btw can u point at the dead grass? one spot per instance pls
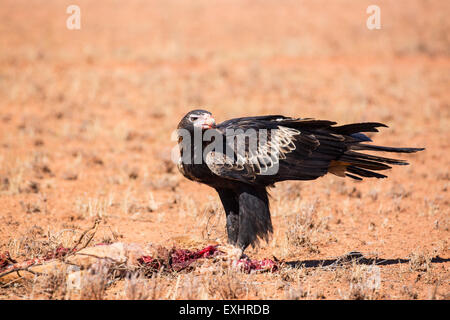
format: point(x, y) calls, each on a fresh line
point(51, 286)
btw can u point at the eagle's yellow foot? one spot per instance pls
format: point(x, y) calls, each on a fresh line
point(232, 253)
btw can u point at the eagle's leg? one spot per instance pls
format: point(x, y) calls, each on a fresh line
point(248, 217)
point(231, 206)
point(254, 216)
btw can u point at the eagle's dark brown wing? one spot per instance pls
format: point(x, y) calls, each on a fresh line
point(297, 149)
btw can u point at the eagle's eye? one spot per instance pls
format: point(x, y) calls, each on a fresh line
point(193, 117)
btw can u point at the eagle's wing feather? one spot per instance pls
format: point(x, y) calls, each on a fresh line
point(299, 149)
point(248, 161)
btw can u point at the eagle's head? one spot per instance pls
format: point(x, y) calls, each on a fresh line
point(200, 119)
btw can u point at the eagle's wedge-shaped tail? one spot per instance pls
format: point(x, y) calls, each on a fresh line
point(357, 165)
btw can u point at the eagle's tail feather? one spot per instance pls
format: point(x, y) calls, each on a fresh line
point(361, 146)
point(357, 165)
point(352, 128)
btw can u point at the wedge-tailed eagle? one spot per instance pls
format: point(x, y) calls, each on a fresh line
point(242, 157)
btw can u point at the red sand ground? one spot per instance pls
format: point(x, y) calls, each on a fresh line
point(87, 117)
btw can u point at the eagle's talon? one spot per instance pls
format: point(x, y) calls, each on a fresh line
point(232, 253)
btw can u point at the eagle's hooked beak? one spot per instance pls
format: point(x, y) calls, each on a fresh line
point(206, 121)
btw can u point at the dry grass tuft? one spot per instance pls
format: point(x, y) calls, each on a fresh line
point(51, 286)
point(364, 283)
point(306, 228)
point(137, 287)
point(94, 282)
point(419, 261)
